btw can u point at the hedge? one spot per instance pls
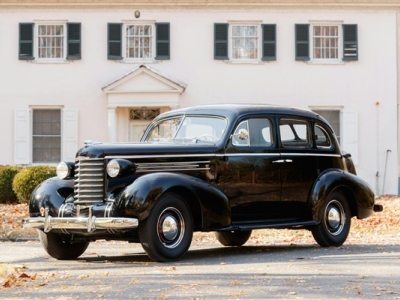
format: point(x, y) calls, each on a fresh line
point(7, 174)
point(28, 179)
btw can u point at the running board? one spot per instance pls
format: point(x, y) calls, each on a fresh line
point(247, 226)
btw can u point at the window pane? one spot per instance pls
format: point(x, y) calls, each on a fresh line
point(333, 118)
point(325, 42)
point(138, 41)
point(244, 42)
point(294, 133)
point(51, 41)
point(46, 139)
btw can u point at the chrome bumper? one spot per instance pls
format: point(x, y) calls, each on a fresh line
point(90, 223)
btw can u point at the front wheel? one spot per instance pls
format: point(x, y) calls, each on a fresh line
point(60, 247)
point(167, 233)
point(233, 238)
point(335, 220)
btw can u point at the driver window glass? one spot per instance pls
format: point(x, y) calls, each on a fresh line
point(294, 133)
point(241, 135)
point(253, 133)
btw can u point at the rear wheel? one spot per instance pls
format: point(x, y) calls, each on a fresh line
point(233, 238)
point(60, 247)
point(167, 233)
point(335, 221)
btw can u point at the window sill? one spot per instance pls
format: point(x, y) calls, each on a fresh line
point(325, 62)
point(128, 61)
point(50, 61)
point(244, 62)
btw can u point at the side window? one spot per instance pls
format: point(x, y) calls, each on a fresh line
point(322, 138)
point(294, 133)
point(241, 135)
point(253, 133)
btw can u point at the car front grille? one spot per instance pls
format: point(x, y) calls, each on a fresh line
point(89, 181)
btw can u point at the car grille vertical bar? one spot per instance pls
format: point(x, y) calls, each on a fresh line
point(89, 181)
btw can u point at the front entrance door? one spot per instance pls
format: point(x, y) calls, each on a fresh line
point(136, 129)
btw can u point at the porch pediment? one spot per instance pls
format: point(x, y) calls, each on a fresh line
point(144, 86)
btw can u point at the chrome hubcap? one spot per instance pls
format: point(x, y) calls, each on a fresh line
point(335, 217)
point(170, 227)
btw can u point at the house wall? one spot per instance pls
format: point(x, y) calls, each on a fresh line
point(367, 86)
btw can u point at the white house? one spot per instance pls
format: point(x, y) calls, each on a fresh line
point(100, 70)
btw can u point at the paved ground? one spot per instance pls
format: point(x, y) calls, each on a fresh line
point(209, 271)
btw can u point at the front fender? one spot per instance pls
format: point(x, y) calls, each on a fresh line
point(138, 199)
point(359, 194)
point(50, 194)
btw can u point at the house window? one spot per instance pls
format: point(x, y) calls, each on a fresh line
point(239, 42)
point(326, 42)
point(46, 135)
point(138, 41)
point(50, 41)
point(245, 42)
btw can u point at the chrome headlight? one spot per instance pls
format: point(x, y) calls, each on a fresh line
point(120, 167)
point(113, 168)
point(65, 170)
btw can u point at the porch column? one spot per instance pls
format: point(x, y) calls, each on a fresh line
point(112, 124)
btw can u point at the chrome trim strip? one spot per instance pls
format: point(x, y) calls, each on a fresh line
point(311, 154)
point(165, 155)
point(171, 166)
point(222, 155)
point(167, 170)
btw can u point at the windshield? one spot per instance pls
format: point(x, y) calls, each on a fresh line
point(188, 129)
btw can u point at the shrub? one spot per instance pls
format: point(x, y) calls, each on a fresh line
point(29, 178)
point(7, 174)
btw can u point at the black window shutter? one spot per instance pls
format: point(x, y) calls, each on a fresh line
point(350, 42)
point(74, 41)
point(268, 42)
point(221, 41)
point(114, 41)
point(302, 41)
point(162, 41)
point(26, 41)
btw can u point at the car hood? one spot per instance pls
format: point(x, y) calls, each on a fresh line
point(101, 150)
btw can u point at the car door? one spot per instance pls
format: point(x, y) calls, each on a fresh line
point(299, 165)
point(251, 178)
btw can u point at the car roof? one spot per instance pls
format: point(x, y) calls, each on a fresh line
point(235, 110)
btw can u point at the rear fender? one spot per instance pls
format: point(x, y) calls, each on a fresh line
point(50, 194)
point(359, 194)
point(209, 206)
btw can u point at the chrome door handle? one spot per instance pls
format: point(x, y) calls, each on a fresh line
point(279, 161)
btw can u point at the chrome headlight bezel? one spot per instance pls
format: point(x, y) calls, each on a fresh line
point(113, 168)
point(120, 168)
point(65, 170)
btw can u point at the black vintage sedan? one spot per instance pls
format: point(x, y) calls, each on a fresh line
point(229, 169)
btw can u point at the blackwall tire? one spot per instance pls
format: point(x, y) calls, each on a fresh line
point(167, 233)
point(335, 220)
point(60, 248)
point(233, 238)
